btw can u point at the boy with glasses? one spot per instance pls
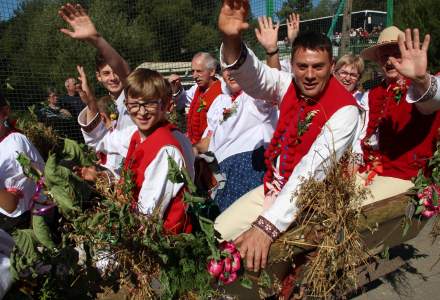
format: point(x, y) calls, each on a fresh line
point(146, 149)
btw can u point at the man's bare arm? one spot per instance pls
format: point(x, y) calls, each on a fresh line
point(84, 29)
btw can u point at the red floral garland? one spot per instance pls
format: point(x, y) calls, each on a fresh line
point(284, 140)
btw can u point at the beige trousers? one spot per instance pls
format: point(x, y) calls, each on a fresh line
point(384, 187)
point(239, 217)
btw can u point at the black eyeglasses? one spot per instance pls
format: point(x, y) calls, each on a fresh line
point(149, 106)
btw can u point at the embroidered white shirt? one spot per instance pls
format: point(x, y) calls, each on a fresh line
point(91, 138)
point(263, 82)
point(249, 125)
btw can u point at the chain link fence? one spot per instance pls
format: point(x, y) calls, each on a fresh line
point(36, 58)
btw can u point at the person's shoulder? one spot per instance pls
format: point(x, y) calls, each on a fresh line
point(16, 141)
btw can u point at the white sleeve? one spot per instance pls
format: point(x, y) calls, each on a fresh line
point(93, 130)
point(157, 190)
point(115, 142)
point(362, 128)
point(429, 102)
point(19, 182)
point(257, 79)
point(336, 136)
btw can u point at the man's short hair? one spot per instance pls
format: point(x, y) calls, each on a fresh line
point(100, 62)
point(148, 84)
point(313, 41)
point(210, 62)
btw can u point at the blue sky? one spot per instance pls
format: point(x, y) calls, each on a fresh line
point(7, 8)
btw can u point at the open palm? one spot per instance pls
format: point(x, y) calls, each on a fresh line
point(267, 34)
point(233, 16)
point(414, 61)
point(77, 18)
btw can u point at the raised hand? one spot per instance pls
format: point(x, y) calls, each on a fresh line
point(77, 18)
point(267, 34)
point(84, 91)
point(233, 17)
point(176, 83)
point(292, 27)
point(414, 61)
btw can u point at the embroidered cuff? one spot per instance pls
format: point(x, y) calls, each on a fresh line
point(267, 227)
point(432, 90)
point(92, 125)
point(239, 62)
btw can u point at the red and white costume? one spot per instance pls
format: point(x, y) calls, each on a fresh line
point(291, 156)
point(148, 159)
point(401, 132)
point(153, 188)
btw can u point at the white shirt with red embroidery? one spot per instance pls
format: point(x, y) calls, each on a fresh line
point(95, 130)
point(238, 126)
point(12, 177)
point(262, 82)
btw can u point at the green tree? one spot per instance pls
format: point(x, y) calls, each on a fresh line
point(303, 7)
point(422, 14)
point(324, 8)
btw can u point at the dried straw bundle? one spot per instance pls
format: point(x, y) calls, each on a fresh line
point(329, 213)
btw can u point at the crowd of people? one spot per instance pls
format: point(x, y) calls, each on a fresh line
point(253, 132)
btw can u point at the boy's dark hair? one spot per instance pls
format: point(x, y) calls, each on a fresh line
point(99, 62)
point(313, 41)
point(51, 90)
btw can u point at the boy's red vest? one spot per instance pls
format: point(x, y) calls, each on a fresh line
point(295, 135)
point(139, 156)
point(196, 119)
point(407, 138)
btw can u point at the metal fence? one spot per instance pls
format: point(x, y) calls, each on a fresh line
point(164, 34)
